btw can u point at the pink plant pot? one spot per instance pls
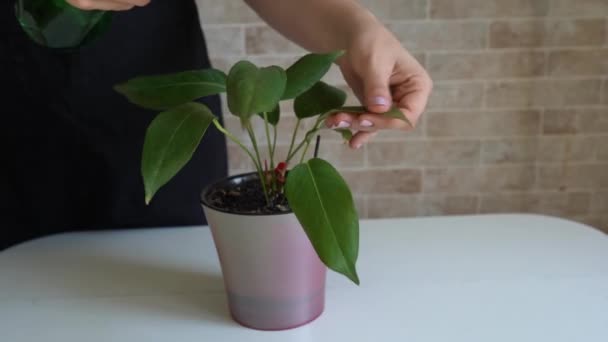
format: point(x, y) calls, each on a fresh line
point(273, 278)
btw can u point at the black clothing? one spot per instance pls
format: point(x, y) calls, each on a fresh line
point(71, 146)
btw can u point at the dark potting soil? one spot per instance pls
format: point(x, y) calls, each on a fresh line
point(247, 198)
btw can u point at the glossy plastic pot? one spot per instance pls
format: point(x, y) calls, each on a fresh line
point(273, 278)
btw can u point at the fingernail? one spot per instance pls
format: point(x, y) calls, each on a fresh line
point(379, 100)
point(357, 146)
point(343, 124)
point(366, 123)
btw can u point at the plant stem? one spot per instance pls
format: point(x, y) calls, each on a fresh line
point(305, 151)
point(292, 154)
point(270, 151)
point(236, 141)
point(293, 138)
point(274, 139)
point(257, 153)
point(305, 140)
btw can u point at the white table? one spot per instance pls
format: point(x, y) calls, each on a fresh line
point(490, 278)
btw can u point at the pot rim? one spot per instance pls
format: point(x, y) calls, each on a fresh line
point(234, 179)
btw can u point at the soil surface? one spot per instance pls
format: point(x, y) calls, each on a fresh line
point(247, 198)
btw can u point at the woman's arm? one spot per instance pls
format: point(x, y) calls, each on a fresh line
point(316, 25)
point(378, 69)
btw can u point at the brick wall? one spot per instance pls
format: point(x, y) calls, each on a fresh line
point(518, 120)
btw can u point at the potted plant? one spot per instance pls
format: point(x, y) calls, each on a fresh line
point(278, 228)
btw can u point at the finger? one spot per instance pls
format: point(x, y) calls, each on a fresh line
point(104, 5)
point(340, 120)
point(369, 122)
point(360, 138)
point(374, 122)
point(354, 82)
point(413, 98)
point(375, 78)
point(138, 3)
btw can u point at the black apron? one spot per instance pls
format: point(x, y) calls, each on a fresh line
point(71, 146)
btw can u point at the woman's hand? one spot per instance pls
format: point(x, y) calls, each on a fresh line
point(381, 73)
point(108, 5)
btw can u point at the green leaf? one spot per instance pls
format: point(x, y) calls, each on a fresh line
point(323, 204)
point(272, 116)
point(347, 134)
point(394, 112)
point(171, 139)
point(252, 90)
point(306, 71)
point(318, 99)
point(161, 92)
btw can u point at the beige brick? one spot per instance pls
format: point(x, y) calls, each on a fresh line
point(450, 9)
point(549, 93)
point(573, 176)
point(579, 7)
point(599, 203)
point(507, 178)
point(482, 179)
point(421, 205)
point(432, 35)
point(387, 182)
point(400, 135)
point(559, 204)
point(574, 121)
point(601, 145)
point(485, 65)
point(565, 204)
point(397, 9)
point(509, 203)
point(456, 95)
point(424, 153)
point(439, 205)
point(392, 206)
point(547, 32)
point(340, 155)
point(263, 40)
point(225, 12)
point(515, 150)
point(225, 41)
point(578, 63)
point(479, 124)
point(567, 148)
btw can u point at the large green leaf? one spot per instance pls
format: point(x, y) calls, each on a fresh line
point(394, 112)
point(162, 92)
point(171, 139)
point(323, 204)
point(252, 90)
point(306, 71)
point(318, 99)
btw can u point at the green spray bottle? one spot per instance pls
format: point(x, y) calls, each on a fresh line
point(58, 25)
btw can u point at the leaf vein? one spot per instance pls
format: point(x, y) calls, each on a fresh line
point(326, 217)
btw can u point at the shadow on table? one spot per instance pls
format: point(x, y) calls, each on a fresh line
point(171, 291)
